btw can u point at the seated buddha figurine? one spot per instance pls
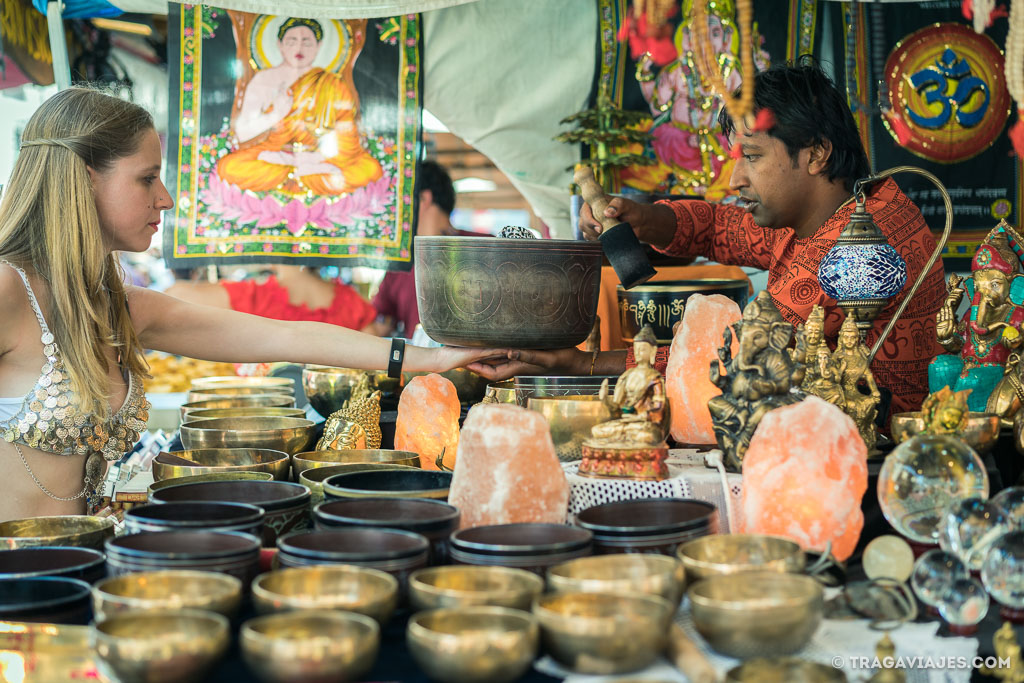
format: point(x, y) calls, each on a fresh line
point(296, 127)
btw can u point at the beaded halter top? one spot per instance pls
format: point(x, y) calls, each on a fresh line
point(51, 420)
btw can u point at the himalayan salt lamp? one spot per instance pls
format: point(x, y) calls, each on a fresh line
point(428, 420)
point(694, 345)
point(804, 476)
point(507, 470)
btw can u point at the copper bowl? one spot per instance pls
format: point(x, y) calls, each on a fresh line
point(195, 516)
point(215, 476)
point(83, 531)
point(981, 434)
point(723, 554)
point(254, 411)
point(329, 586)
point(389, 484)
point(173, 464)
point(86, 564)
point(505, 293)
point(327, 388)
point(46, 599)
point(325, 458)
point(227, 402)
point(288, 434)
point(280, 385)
point(315, 477)
point(626, 573)
point(167, 589)
point(466, 586)
point(570, 420)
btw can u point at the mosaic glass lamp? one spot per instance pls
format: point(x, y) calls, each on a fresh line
point(863, 271)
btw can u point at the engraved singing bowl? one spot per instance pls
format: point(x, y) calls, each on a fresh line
point(212, 476)
point(661, 304)
point(981, 433)
point(313, 459)
point(229, 392)
point(507, 293)
point(328, 388)
point(621, 573)
point(277, 385)
point(473, 644)
point(258, 401)
point(724, 554)
point(504, 391)
point(288, 434)
point(167, 589)
point(329, 586)
point(173, 464)
point(570, 419)
point(315, 477)
point(254, 411)
point(467, 585)
point(83, 531)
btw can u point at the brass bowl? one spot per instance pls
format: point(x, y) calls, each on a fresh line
point(467, 586)
point(757, 614)
point(722, 554)
point(315, 477)
point(278, 385)
point(981, 434)
point(327, 388)
point(260, 401)
point(288, 434)
point(169, 465)
point(601, 633)
point(255, 411)
point(469, 386)
point(167, 590)
point(570, 419)
point(310, 459)
point(178, 645)
point(504, 391)
point(622, 573)
point(311, 645)
point(213, 476)
point(339, 586)
point(83, 531)
point(473, 644)
point(230, 392)
point(783, 670)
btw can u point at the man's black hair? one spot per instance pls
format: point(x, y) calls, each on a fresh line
point(433, 177)
point(808, 109)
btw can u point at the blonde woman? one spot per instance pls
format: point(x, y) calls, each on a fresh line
point(86, 184)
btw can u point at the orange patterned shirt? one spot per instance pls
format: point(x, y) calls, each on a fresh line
point(727, 234)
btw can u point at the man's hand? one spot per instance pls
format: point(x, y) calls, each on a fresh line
point(653, 223)
point(570, 361)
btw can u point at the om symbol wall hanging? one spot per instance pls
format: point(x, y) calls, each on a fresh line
point(946, 83)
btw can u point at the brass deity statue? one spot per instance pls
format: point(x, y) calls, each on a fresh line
point(945, 412)
point(858, 384)
point(358, 419)
point(765, 374)
point(823, 375)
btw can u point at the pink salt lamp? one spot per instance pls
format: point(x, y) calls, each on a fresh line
point(804, 476)
point(507, 470)
point(694, 345)
point(428, 420)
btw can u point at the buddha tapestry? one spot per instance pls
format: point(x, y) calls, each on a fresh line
point(295, 140)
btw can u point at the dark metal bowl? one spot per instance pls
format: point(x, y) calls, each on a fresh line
point(194, 516)
point(228, 552)
point(86, 564)
point(431, 518)
point(653, 525)
point(394, 551)
point(531, 546)
point(49, 599)
point(389, 483)
point(661, 304)
point(487, 291)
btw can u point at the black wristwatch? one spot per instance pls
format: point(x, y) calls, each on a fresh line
point(396, 358)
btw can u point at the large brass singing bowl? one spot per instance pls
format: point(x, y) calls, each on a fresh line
point(385, 456)
point(721, 554)
point(757, 614)
point(82, 531)
point(311, 645)
point(259, 401)
point(280, 385)
point(328, 388)
point(570, 419)
point(288, 434)
point(212, 476)
point(315, 477)
point(331, 586)
point(228, 392)
point(981, 434)
point(143, 647)
point(507, 293)
point(168, 589)
point(473, 644)
point(467, 586)
point(255, 411)
point(173, 464)
point(625, 573)
point(601, 633)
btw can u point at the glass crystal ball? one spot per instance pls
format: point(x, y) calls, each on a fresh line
point(888, 557)
point(1012, 501)
point(964, 602)
point(922, 478)
point(970, 528)
point(934, 573)
point(1003, 570)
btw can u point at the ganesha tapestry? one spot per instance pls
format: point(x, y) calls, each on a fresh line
point(295, 139)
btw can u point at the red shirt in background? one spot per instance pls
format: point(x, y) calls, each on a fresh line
point(270, 300)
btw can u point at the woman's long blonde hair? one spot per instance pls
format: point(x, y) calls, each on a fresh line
point(48, 222)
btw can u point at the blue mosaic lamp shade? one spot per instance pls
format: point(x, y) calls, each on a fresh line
point(862, 271)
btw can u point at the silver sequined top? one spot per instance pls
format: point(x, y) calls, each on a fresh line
point(49, 418)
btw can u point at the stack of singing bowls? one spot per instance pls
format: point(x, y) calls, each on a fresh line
point(86, 564)
point(649, 525)
point(394, 551)
point(195, 516)
point(530, 546)
point(227, 552)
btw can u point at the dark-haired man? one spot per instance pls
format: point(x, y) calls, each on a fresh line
point(795, 184)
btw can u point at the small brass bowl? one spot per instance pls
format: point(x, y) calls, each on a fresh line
point(721, 554)
point(623, 573)
point(601, 633)
point(328, 388)
point(167, 590)
point(229, 392)
point(281, 385)
point(83, 531)
point(142, 647)
point(981, 434)
point(254, 411)
point(288, 434)
point(473, 644)
point(339, 586)
point(570, 419)
point(310, 459)
point(504, 391)
point(315, 477)
point(213, 476)
point(170, 465)
point(261, 401)
point(467, 586)
point(783, 670)
point(311, 645)
point(757, 614)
